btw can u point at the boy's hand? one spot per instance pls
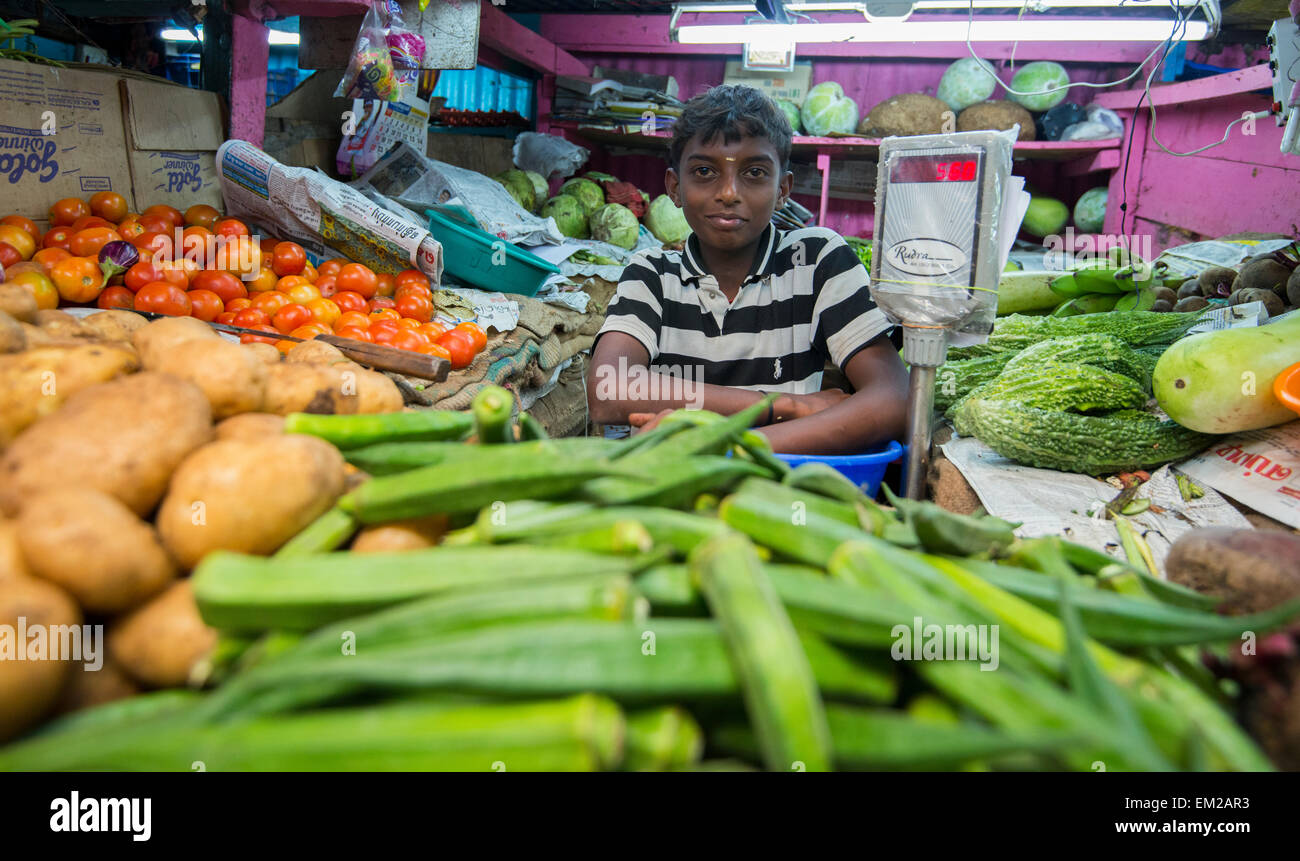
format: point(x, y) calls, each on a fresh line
point(791, 407)
point(643, 422)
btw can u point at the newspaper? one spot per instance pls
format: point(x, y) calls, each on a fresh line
point(490, 310)
point(1259, 468)
point(1048, 502)
point(1231, 317)
point(1195, 257)
point(320, 213)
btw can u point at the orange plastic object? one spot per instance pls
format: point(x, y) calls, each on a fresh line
point(1286, 387)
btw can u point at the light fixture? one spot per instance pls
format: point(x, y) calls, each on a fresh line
point(1057, 30)
point(273, 37)
point(1034, 5)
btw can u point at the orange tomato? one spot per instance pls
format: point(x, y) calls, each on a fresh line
point(408, 323)
point(460, 346)
point(225, 285)
point(327, 285)
point(385, 314)
point(205, 305)
point(158, 246)
point(251, 318)
point(230, 227)
point(433, 330)
point(226, 318)
point(150, 223)
point(311, 330)
point(436, 350)
point(309, 272)
point(25, 223)
point(78, 279)
point(415, 308)
point(161, 210)
point(9, 255)
point(411, 276)
point(130, 228)
point(352, 319)
point(476, 333)
point(408, 339)
point(238, 255)
point(385, 284)
point(86, 243)
point(285, 346)
point(413, 290)
point(270, 301)
point(163, 298)
point(291, 316)
point(288, 258)
point(384, 335)
point(201, 215)
point(255, 339)
point(47, 257)
point(40, 286)
point(69, 209)
point(146, 272)
point(324, 311)
point(301, 292)
point(356, 333)
point(265, 280)
point(116, 297)
point(196, 245)
point(239, 304)
point(383, 326)
point(357, 279)
point(332, 266)
point(20, 239)
point(108, 205)
point(349, 301)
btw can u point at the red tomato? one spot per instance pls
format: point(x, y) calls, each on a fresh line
point(69, 209)
point(460, 345)
point(413, 290)
point(163, 211)
point(230, 227)
point(86, 243)
point(205, 305)
point(408, 323)
point(108, 205)
point(433, 331)
point(159, 246)
point(332, 266)
point(116, 297)
point(130, 228)
point(385, 284)
point(292, 316)
point(381, 302)
point(156, 224)
point(411, 276)
point(358, 279)
point(478, 336)
point(239, 304)
point(356, 333)
point(255, 339)
point(352, 319)
point(436, 350)
point(252, 318)
point(78, 279)
point(348, 301)
point(309, 272)
point(388, 314)
point(415, 308)
point(328, 286)
point(270, 302)
point(163, 298)
point(226, 318)
point(409, 339)
point(58, 237)
point(383, 335)
point(202, 215)
point(388, 326)
point(9, 255)
point(146, 272)
point(288, 258)
point(224, 284)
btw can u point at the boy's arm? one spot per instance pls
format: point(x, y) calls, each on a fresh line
point(874, 413)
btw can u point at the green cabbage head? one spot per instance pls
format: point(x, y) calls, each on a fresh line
point(540, 187)
point(666, 221)
point(826, 109)
point(614, 223)
point(520, 188)
point(791, 113)
point(569, 215)
point(586, 191)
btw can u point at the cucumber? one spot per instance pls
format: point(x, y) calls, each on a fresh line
point(347, 432)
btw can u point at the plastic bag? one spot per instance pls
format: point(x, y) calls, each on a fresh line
point(548, 154)
point(370, 73)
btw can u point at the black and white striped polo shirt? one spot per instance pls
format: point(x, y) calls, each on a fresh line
point(804, 301)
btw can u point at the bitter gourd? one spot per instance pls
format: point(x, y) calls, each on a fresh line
point(1102, 351)
point(1057, 386)
point(1136, 328)
point(1120, 441)
point(955, 380)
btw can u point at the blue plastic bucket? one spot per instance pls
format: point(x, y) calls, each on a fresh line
point(866, 470)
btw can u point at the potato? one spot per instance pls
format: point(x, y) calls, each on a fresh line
point(29, 688)
point(232, 378)
point(251, 426)
point(249, 496)
point(1249, 569)
point(38, 337)
point(88, 689)
point(314, 353)
point(94, 547)
point(300, 388)
point(18, 302)
point(38, 381)
point(378, 394)
point(124, 437)
point(154, 339)
point(12, 564)
point(265, 353)
point(12, 336)
point(114, 325)
point(159, 643)
point(61, 324)
point(401, 535)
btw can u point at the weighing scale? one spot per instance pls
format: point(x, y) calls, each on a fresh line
point(937, 257)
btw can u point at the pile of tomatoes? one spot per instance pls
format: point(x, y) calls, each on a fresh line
point(271, 286)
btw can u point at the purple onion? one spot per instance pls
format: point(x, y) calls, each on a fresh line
point(117, 257)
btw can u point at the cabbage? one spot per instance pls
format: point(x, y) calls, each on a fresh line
point(1090, 211)
point(1036, 79)
point(614, 223)
point(598, 176)
point(826, 109)
point(586, 192)
point(520, 188)
point(791, 113)
point(967, 82)
point(570, 217)
point(666, 221)
point(540, 187)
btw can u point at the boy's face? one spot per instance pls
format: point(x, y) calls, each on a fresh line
point(728, 191)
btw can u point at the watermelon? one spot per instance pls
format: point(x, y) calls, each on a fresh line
point(1090, 211)
point(1038, 80)
point(967, 82)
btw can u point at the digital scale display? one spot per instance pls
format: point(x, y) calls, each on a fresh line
point(933, 168)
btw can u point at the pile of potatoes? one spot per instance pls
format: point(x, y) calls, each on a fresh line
point(129, 450)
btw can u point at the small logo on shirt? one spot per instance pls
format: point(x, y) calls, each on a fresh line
point(776, 369)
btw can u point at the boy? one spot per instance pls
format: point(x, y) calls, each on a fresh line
point(746, 309)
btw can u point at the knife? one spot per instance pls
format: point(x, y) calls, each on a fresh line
point(377, 356)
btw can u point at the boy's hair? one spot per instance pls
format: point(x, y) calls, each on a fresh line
point(733, 112)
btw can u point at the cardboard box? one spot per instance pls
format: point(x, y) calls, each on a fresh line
point(61, 136)
point(173, 134)
point(777, 85)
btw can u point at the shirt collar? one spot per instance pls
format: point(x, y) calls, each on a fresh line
point(763, 265)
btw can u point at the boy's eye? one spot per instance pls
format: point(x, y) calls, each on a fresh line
point(703, 171)
point(756, 172)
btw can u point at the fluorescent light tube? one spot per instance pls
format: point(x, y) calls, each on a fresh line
point(281, 37)
point(178, 35)
point(273, 37)
point(847, 6)
point(1075, 30)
